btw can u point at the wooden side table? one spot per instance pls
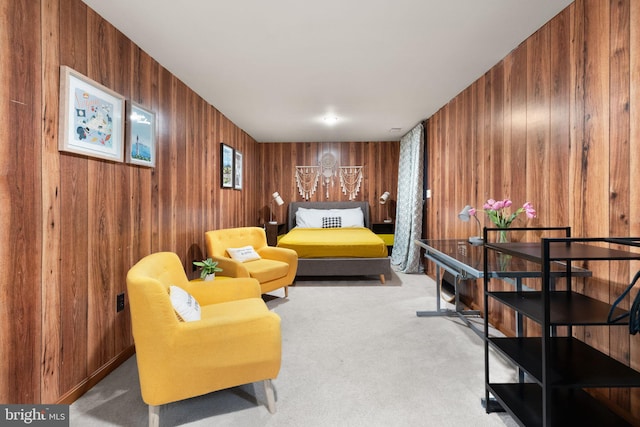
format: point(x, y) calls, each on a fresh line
point(273, 231)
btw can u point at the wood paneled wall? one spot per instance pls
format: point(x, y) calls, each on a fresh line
point(557, 123)
point(279, 161)
point(73, 225)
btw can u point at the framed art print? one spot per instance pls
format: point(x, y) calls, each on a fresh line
point(226, 166)
point(91, 117)
point(141, 134)
point(237, 170)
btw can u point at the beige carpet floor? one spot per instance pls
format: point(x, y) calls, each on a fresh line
point(354, 354)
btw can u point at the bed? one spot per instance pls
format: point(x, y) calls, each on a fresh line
point(322, 253)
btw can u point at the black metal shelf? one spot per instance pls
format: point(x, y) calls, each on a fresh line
point(560, 368)
point(571, 407)
point(567, 308)
point(573, 363)
point(575, 250)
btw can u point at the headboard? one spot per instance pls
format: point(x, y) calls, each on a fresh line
point(293, 208)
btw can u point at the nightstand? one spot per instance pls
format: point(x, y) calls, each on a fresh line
point(273, 231)
point(386, 231)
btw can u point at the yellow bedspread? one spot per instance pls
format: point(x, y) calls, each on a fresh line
point(334, 243)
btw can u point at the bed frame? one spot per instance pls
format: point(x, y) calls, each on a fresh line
point(380, 267)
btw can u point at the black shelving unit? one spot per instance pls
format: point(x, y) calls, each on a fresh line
point(558, 368)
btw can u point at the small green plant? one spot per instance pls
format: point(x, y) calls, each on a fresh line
point(208, 266)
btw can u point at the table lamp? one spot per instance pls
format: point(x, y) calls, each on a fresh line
point(275, 197)
point(465, 216)
point(383, 201)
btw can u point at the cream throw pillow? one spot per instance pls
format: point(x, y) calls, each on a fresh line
point(243, 254)
point(185, 305)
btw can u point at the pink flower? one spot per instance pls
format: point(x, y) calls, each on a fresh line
point(498, 213)
point(488, 204)
point(529, 210)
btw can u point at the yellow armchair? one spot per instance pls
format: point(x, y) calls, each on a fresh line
point(276, 269)
point(237, 340)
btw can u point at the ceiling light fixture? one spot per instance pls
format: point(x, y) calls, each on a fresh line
point(331, 120)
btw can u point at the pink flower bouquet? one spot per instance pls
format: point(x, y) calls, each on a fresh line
point(499, 213)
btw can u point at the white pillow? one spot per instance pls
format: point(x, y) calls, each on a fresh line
point(353, 217)
point(310, 218)
point(243, 254)
point(186, 306)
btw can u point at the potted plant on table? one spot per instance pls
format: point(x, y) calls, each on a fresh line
point(208, 269)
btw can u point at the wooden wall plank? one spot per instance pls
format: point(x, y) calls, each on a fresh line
point(73, 223)
point(496, 92)
point(124, 206)
point(619, 173)
point(20, 202)
point(634, 166)
point(141, 179)
point(577, 126)
point(102, 211)
point(595, 156)
point(557, 208)
point(51, 315)
point(516, 123)
point(577, 119)
point(537, 188)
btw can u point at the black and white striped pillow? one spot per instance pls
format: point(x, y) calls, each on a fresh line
point(331, 222)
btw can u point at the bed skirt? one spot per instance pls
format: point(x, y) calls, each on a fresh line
point(380, 267)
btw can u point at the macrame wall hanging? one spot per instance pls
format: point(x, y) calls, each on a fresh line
point(307, 177)
point(350, 179)
point(329, 165)
point(307, 180)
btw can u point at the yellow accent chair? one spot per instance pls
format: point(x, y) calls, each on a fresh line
point(275, 269)
point(236, 341)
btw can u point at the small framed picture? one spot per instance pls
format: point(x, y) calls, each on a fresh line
point(237, 170)
point(226, 166)
point(91, 117)
point(141, 133)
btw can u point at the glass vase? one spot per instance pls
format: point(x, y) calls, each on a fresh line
point(502, 236)
point(503, 260)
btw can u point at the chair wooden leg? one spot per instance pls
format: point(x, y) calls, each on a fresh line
point(154, 415)
point(382, 279)
point(286, 291)
point(271, 400)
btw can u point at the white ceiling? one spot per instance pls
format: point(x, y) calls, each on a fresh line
point(276, 68)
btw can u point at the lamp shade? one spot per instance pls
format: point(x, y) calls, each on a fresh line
point(277, 199)
point(384, 197)
point(464, 214)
